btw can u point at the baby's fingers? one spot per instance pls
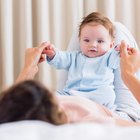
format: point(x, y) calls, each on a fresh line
point(42, 58)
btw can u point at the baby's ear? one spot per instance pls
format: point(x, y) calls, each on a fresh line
point(112, 44)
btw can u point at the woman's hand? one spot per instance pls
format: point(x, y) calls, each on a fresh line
point(130, 59)
point(33, 57)
point(130, 63)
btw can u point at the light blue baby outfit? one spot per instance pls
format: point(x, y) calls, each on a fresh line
point(89, 77)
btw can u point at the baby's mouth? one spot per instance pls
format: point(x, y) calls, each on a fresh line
point(93, 50)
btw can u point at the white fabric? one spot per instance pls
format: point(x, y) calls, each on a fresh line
point(38, 130)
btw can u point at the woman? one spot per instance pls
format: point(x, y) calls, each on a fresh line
point(33, 102)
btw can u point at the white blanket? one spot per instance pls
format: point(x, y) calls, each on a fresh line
point(38, 130)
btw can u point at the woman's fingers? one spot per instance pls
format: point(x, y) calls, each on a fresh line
point(123, 49)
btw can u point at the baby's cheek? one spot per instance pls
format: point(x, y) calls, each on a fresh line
point(105, 49)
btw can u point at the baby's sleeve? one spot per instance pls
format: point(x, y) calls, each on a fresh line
point(62, 59)
point(114, 59)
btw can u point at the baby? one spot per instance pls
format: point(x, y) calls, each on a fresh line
point(90, 70)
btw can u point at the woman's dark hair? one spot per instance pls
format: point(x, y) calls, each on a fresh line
point(29, 100)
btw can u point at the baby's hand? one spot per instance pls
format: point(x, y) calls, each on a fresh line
point(49, 50)
point(118, 48)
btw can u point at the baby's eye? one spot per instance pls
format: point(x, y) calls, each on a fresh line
point(86, 40)
point(100, 41)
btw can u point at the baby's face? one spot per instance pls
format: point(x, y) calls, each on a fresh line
point(95, 40)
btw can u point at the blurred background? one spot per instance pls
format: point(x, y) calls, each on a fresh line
point(27, 23)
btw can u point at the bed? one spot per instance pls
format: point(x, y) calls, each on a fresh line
point(38, 130)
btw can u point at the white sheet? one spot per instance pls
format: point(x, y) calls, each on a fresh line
point(38, 130)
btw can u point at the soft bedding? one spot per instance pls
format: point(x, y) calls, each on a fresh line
point(38, 130)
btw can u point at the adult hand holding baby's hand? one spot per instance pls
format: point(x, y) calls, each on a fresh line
point(49, 50)
point(130, 58)
point(33, 56)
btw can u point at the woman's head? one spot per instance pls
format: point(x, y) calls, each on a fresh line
point(96, 34)
point(29, 100)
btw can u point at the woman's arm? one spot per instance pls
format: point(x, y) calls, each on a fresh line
point(33, 57)
point(125, 100)
point(130, 63)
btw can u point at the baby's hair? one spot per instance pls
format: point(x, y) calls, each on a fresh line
point(100, 19)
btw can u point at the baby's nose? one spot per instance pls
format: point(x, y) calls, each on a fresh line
point(94, 44)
